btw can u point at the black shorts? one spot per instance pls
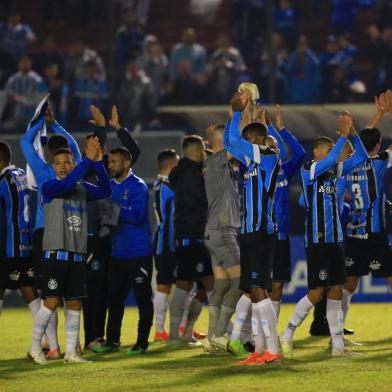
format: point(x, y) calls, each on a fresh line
point(326, 266)
point(63, 279)
point(193, 260)
point(256, 255)
point(369, 255)
point(16, 273)
point(38, 236)
point(166, 265)
point(282, 261)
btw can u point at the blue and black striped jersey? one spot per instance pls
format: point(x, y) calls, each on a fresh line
point(164, 210)
point(15, 229)
point(319, 183)
point(366, 186)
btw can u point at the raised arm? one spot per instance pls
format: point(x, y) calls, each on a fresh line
point(298, 153)
point(102, 189)
point(360, 156)
point(281, 144)
point(228, 147)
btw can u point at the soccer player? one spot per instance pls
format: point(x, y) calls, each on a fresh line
point(65, 244)
point(16, 270)
point(368, 248)
point(131, 255)
point(223, 223)
point(258, 227)
point(43, 171)
point(164, 247)
point(190, 217)
point(323, 236)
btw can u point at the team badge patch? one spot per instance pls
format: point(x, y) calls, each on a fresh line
point(30, 273)
point(199, 267)
point(375, 265)
point(349, 262)
point(52, 284)
point(323, 275)
point(15, 275)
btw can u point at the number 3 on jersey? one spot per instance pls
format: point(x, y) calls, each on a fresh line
point(358, 201)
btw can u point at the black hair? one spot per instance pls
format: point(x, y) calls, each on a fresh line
point(370, 138)
point(5, 152)
point(56, 142)
point(165, 156)
point(63, 150)
point(255, 128)
point(191, 140)
point(124, 152)
point(321, 140)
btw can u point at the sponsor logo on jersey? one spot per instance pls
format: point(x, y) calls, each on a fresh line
point(250, 174)
point(326, 189)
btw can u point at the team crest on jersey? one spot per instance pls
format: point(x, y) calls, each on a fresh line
point(375, 265)
point(349, 262)
point(320, 235)
point(52, 284)
point(254, 275)
point(200, 267)
point(95, 265)
point(30, 273)
point(323, 274)
point(125, 195)
point(15, 275)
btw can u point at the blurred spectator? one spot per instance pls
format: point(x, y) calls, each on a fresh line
point(330, 60)
point(58, 90)
point(188, 51)
point(49, 54)
point(226, 66)
point(384, 13)
point(141, 7)
point(339, 88)
point(343, 15)
point(347, 54)
point(24, 89)
point(156, 64)
point(129, 39)
point(137, 98)
point(15, 36)
point(281, 55)
point(185, 89)
point(53, 13)
point(7, 66)
point(90, 89)
point(303, 80)
point(381, 54)
point(78, 55)
point(285, 21)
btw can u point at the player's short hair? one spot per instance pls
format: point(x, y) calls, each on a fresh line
point(256, 129)
point(63, 151)
point(320, 141)
point(370, 138)
point(5, 152)
point(191, 140)
point(57, 142)
point(219, 128)
point(123, 152)
point(165, 156)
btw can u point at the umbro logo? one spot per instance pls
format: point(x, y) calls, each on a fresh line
point(74, 220)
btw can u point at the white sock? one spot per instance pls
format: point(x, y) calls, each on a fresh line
point(41, 320)
point(300, 313)
point(34, 306)
point(160, 308)
point(346, 300)
point(335, 322)
point(186, 309)
point(257, 331)
point(246, 332)
point(72, 325)
point(51, 331)
point(177, 311)
point(1, 305)
point(269, 324)
point(276, 305)
point(241, 312)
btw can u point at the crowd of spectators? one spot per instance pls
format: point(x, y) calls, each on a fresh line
point(147, 77)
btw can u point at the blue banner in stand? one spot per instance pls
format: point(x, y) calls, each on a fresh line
point(369, 290)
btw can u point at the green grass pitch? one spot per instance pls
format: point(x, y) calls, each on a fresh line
point(189, 369)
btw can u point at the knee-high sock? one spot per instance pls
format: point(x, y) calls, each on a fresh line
point(335, 322)
point(215, 302)
point(51, 331)
point(193, 315)
point(300, 313)
point(346, 301)
point(160, 308)
point(257, 331)
point(246, 332)
point(177, 311)
point(228, 307)
point(41, 320)
point(276, 305)
point(187, 303)
point(34, 306)
point(241, 311)
point(267, 317)
point(72, 325)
